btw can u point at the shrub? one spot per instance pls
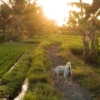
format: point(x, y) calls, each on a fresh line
point(76, 49)
point(43, 91)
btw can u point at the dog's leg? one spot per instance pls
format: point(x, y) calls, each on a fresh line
point(65, 80)
point(65, 76)
point(70, 79)
point(57, 78)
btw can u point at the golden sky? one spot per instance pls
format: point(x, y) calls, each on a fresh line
point(57, 9)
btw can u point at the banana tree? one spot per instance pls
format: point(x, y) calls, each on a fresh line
point(89, 22)
point(94, 34)
point(82, 23)
point(92, 13)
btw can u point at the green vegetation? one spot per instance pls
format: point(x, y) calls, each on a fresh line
point(70, 50)
point(35, 65)
point(21, 20)
point(9, 54)
point(40, 83)
point(10, 82)
point(86, 75)
point(43, 91)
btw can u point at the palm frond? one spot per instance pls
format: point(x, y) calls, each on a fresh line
point(78, 4)
point(5, 4)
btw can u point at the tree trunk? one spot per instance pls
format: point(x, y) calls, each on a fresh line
point(3, 34)
point(92, 52)
point(94, 48)
point(85, 48)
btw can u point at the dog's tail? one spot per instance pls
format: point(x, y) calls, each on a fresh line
point(68, 64)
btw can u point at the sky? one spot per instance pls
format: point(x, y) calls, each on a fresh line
point(57, 9)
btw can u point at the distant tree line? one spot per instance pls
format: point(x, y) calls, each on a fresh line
point(21, 18)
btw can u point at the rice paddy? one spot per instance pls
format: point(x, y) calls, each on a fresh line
point(34, 64)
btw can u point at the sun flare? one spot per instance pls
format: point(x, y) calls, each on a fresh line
point(55, 9)
point(58, 9)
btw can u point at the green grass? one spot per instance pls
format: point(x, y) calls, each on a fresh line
point(41, 91)
point(9, 54)
point(87, 76)
point(39, 79)
point(11, 82)
point(36, 63)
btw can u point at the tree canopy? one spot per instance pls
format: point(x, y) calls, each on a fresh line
point(21, 17)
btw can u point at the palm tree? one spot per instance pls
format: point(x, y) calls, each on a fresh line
point(82, 23)
point(89, 22)
point(94, 36)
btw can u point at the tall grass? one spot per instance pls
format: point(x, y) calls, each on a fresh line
point(9, 54)
point(11, 82)
point(39, 79)
point(42, 91)
point(86, 75)
point(35, 63)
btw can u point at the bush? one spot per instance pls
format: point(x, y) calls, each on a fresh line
point(1, 38)
point(76, 49)
point(31, 42)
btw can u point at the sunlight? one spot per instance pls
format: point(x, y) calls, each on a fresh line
point(57, 9)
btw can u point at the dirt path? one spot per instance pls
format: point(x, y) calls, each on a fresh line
point(74, 92)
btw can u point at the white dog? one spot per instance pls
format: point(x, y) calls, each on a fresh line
point(65, 71)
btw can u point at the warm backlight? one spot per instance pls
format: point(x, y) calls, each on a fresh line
point(55, 9)
point(58, 9)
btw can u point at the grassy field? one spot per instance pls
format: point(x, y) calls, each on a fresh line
point(9, 54)
point(34, 65)
point(86, 75)
point(70, 49)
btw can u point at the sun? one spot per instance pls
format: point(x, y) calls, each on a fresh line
point(58, 9)
point(55, 9)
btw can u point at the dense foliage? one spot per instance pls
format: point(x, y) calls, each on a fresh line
point(21, 19)
point(88, 23)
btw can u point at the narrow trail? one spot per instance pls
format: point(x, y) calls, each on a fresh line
point(74, 92)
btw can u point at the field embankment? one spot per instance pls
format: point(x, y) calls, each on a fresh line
point(11, 82)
